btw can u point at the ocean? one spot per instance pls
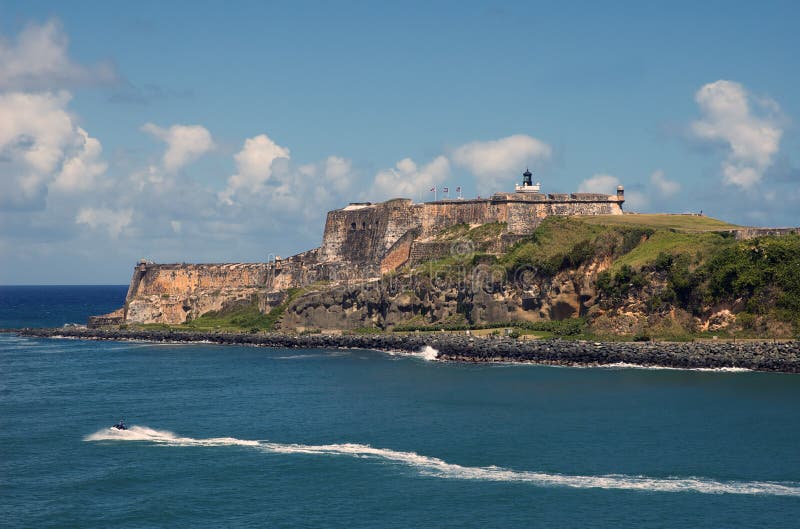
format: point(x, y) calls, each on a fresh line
point(227, 436)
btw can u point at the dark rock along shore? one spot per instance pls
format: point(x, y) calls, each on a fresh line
point(758, 356)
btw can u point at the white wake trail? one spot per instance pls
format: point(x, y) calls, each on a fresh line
point(432, 466)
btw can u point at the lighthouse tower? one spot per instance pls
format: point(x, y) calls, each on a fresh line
point(527, 183)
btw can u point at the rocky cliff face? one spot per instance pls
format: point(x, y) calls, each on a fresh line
point(174, 293)
point(361, 242)
point(485, 294)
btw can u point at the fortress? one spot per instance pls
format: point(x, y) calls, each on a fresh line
point(361, 242)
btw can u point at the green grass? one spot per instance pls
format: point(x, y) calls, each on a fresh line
point(689, 223)
point(558, 241)
point(486, 232)
point(243, 317)
point(699, 246)
point(456, 231)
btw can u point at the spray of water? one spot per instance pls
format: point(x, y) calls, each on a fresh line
point(432, 466)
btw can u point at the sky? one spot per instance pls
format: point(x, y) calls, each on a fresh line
point(224, 132)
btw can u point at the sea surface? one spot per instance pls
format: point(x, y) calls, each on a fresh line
point(227, 436)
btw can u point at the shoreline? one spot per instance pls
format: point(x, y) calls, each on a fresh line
point(781, 357)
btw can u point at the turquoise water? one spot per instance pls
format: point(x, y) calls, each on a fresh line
point(229, 436)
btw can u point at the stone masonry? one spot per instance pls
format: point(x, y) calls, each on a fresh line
point(361, 242)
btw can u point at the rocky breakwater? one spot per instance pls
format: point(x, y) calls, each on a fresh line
point(758, 356)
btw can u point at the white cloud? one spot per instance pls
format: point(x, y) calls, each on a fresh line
point(151, 176)
point(103, 218)
point(254, 166)
point(607, 184)
point(728, 118)
point(496, 162)
point(39, 60)
point(338, 173)
point(40, 145)
point(407, 180)
point(599, 183)
point(185, 143)
point(665, 187)
point(80, 172)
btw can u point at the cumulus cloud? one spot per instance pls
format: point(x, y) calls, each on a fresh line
point(40, 145)
point(599, 183)
point(408, 180)
point(607, 184)
point(39, 60)
point(752, 137)
point(665, 187)
point(113, 221)
point(338, 173)
point(80, 172)
point(254, 166)
point(493, 162)
point(185, 143)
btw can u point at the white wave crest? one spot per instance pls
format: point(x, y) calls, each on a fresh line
point(626, 365)
point(427, 353)
point(432, 466)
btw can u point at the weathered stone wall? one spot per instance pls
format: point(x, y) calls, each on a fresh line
point(362, 234)
point(399, 253)
point(744, 234)
point(171, 293)
point(436, 216)
point(360, 242)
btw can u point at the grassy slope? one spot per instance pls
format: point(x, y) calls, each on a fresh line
point(245, 317)
point(698, 246)
point(689, 223)
point(638, 241)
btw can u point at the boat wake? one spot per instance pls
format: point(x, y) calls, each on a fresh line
point(432, 466)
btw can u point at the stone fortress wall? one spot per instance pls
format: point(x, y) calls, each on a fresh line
point(361, 242)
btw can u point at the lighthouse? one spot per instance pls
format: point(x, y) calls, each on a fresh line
point(527, 183)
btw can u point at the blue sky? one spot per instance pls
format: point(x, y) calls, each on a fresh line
point(186, 131)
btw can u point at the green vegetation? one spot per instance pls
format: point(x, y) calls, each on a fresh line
point(765, 272)
point(486, 232)
point(557, 243)
point(564, 328)
point(245, 316)
point(566, 242)
point(667, 269)
point(699, 246)
point(690, 223)
point(759, 277)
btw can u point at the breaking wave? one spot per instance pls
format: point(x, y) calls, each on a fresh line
point(432, 466)
point(625, 365)
point(427, 353)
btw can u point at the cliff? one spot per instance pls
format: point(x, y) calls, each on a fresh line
point(521, 258)
point(608, 277)
point(361, 242)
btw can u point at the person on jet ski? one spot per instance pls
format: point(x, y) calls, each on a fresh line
point(121, 425)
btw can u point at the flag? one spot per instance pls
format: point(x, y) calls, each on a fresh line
point(445, 190)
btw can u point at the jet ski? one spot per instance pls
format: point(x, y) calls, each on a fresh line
point(120, 425)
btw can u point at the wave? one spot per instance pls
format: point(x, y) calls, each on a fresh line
point(435, 467)
point(626, 365)
point(427, 353)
